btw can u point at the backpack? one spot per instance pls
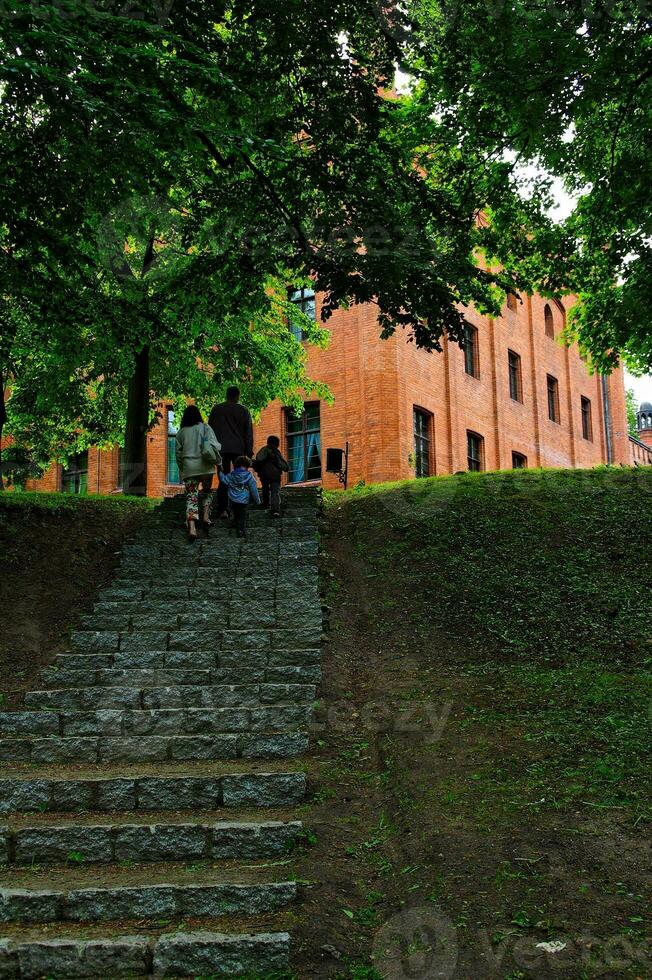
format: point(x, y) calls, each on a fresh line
point(209, 452)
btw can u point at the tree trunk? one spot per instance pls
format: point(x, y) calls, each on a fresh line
point(3, 419)
point(135, 452)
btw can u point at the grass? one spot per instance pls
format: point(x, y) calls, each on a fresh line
point(492, 633)
point(31, 500)
point(539, 582)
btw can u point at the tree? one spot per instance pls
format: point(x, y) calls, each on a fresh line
point(567, 87)
point(632, 408)
point(162, 175)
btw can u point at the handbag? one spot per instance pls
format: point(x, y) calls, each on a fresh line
point(209, 451)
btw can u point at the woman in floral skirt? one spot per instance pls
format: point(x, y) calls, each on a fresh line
point(196, 444)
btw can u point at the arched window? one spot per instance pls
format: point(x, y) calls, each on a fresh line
point(511, 302)
point(549, 322)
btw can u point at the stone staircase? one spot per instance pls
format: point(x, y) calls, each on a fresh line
point(160, 758)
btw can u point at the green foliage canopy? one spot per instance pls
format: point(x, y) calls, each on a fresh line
point(166, 172)
point(565, 87)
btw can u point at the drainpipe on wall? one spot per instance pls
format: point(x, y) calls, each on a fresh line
point(607, 418)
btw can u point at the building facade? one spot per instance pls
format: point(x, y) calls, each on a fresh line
point(514, 396)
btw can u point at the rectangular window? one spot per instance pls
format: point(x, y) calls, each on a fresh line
point(304, 300)
point(471, 352)
point(553, 399)
point(172, 468)
point(519, 461)
point(475, 451)
point(422, 430)
point(304, 444)
point(587, 419)
point(515, 385)
point(74, 476)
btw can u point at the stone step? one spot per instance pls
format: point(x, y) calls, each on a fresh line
point(177, 954)
point(29, 792)
point(187, 659)
point(268, 615)
point(143, 901)
point(146, 842)
point(163, 721)
point(84, 674)
point(152, 748)
point(169, 551)
point(195, 637)
point(183, 600)
point(171, 696)
point(253, 668)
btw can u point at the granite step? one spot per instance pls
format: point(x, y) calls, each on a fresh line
point(153, 789)
point(163, 721)
point(177, 954)
point(254, 668)
point(170, 696)
point(27, 903)
point(103, 843)
point(195, 635)
point(152, 748)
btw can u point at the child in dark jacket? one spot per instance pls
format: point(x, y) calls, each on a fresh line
point(269, 466)
point(242, 489)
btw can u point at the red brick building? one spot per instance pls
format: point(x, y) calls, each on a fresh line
point(513, 397)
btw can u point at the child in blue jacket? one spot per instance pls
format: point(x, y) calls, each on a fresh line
point(241, 489)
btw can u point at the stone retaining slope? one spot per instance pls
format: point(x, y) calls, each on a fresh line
point(177, 715)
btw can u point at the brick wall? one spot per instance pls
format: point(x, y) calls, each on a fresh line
point(377, 384)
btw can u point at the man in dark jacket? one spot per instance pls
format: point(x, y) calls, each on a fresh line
point(231, 423)
point(269, 466)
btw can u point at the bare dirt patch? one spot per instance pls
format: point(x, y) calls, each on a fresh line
point(54, 559)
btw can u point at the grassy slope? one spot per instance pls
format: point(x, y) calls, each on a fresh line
point(56, 552)
point(506, 618)
point(542, 580)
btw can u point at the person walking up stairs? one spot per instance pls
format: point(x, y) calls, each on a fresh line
point(159, 762)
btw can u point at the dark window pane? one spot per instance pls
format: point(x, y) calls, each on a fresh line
point(74, 477)
point(172, 474)
point(471, 350)
point(304, 299)
point(514, 376)
point(553, 399)
point(304, 444)
point(587, 422)
point(519, 462)
point(474, 451)
point(421, 424)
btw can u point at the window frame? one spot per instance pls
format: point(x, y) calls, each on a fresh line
point(516, 370)
point(471, 349)
point(424, 438)
point(586, 411)
point(304, 433)
point(301, 297)
point(470, 459)
point(79, 476)
point(520, 456)
point(170, 450)
point(554, 411)
point(548, 322)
